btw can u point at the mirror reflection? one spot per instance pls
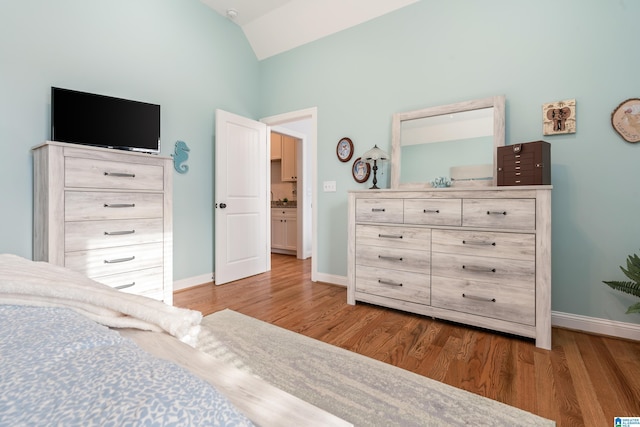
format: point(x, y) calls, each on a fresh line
point(457, 141)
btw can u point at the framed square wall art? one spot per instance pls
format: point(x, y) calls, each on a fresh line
point(559, 117)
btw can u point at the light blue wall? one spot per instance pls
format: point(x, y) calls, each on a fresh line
point(534, 52)
point(176, 53)
point(180, 54)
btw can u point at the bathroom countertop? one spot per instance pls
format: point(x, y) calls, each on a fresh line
point(280, 204)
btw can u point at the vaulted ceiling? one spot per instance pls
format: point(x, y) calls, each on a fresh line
point(275, 26)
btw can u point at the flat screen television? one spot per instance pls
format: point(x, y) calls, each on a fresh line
point(104, 121)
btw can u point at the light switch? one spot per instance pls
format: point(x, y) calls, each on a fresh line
point(329, 186)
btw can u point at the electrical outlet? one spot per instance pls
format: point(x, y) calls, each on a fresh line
point(329, 186)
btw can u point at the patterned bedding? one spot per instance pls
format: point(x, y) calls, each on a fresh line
point(60, 368)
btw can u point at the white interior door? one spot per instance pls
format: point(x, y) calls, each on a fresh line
point(241, 188)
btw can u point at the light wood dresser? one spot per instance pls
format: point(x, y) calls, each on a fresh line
point(107, 214)
point(478, 255)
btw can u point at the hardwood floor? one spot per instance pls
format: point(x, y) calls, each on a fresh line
point(585, 380)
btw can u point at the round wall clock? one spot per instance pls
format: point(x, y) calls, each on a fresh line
point(361, 170)
point(625, 119)
point(344, 150)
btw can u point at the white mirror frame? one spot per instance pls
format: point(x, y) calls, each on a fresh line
point(497, 102)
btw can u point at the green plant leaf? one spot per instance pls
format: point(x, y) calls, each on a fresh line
point(633, 287)
point(635, 308)
point(633, 268)
point(630, 288)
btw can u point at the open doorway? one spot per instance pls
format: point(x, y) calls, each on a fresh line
point(302, 125)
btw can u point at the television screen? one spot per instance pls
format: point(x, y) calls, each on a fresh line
point(104, 121)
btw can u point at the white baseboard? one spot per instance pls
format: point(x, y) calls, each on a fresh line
point(333, 279)
point(192, 281)
point(596, 326)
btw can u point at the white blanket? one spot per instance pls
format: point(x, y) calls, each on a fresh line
point(25, 282)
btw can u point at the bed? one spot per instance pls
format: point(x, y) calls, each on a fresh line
point(76, 352)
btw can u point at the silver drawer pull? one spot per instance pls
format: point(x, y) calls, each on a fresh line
point(115, 261)
point(477, 298)
point(118, 233)
point(120, 174)
point(431, 210)
point(480, 269)
point(389, 258)
point(128, 285)
point(119, 205)
point(390, 236)
point(496, 212)
point(377, 209)
point(478, 242)
point(386, 282)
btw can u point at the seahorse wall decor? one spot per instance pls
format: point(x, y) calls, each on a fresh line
point(181, 155)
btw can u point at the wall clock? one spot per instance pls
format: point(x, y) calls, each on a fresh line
point(344, 150)
point(360, 170)
point(625, 119)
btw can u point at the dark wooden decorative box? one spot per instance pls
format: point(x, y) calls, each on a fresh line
point(528, 163)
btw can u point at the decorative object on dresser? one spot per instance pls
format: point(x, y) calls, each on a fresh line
point(441, 182)
point(344, 150)
point(374, 156)
point(625, 119)
point(524, 164)
point(479, 256)
point(107, 214)
point(360, 170)
point(559, 117)
point(181, 155)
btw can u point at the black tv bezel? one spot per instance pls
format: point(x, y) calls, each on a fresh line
point(94, 96)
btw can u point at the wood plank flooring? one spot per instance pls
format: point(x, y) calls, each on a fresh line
point(585, 380)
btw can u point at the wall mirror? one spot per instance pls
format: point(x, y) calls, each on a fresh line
point(457, 141)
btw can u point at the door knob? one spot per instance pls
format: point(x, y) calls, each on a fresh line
point(223, 205)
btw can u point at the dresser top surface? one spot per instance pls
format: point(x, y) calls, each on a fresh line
point(98, 149)
point(512, 188)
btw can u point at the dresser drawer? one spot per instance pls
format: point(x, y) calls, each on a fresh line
point(513, 304)
point(393, 237)
point(401, 285)
point(147, 282)
point(433, 211)
point(93, 173)
point(87, 205)
point(103, 262)
point(483, 243)
point(84, 235)
point(499, 213)
point(521, 177)
point(495, 270)
point(379, 210)
point(393, 258)
point(285, 213)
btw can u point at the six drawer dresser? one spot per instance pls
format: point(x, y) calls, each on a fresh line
point(478, 255)
point(107, 214)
